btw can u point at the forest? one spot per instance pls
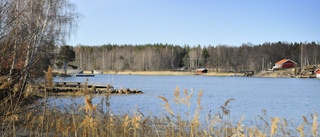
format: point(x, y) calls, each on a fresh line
point(219, 58)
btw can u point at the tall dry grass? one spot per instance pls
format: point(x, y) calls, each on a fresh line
point(90, 119)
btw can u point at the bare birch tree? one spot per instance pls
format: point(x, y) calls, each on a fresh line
point(26, 27)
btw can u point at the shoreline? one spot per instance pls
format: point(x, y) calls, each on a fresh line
point(170, 73)
point(160, 73)
point(263, 74)
point(276, 74)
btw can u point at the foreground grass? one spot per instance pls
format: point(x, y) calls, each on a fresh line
point(98, 120)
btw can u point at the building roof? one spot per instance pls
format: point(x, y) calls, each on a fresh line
point(284, 61)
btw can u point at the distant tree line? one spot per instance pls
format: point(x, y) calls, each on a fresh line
point(220, 58)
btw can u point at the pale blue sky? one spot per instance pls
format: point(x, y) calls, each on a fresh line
point(193, 22)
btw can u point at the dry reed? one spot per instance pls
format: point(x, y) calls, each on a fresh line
point(274, 125)
point(5, 85)
point(315, 125)
point(300, 129)
point(177, 95)
point(49, 78)
point(166, 105)
point(91, 120)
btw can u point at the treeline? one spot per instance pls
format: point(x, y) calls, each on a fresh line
point(221, 58)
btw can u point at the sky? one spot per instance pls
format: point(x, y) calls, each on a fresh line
point(196, 22)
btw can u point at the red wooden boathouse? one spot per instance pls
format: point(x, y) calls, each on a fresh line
point(317, 72)
point(284, 63)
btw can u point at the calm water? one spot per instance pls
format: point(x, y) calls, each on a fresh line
point(289, 98)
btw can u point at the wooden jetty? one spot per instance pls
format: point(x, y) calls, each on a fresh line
point(84, 75)
point(92, 88)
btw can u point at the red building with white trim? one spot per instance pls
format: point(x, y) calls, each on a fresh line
point(317, 73)
point(284, 63)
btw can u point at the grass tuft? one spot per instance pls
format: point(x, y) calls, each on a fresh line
point(315, 125)
point(274, 125)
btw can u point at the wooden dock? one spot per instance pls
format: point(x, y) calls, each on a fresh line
point(78, 84)
point(93, 88)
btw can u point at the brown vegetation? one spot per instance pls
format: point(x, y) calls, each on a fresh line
point(98, 120)
point(29, 31)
